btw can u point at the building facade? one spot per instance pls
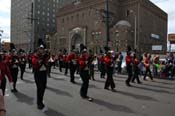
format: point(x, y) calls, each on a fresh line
point(136, 23)
point(31, 20)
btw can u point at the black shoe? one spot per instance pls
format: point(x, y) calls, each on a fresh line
point(40, 107)
point(14, 90)
point(73, 82)
point(106, 88)
point(127, 83)
point(139, 82)
point(113, 90)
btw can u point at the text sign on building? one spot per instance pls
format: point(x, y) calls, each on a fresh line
point(156, 47)
point(155, 36)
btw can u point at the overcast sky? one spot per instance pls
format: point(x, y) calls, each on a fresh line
point(166, 5)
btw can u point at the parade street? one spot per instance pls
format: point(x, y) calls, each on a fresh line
point(63, 99)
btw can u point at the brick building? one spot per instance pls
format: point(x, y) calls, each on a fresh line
point(137, 23)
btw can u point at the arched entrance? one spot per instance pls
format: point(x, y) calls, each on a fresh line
point(77, 36)
point(76, 41)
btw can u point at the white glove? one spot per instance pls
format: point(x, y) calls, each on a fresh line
point(11, 85)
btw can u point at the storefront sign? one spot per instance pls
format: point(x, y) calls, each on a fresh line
point(156, 47)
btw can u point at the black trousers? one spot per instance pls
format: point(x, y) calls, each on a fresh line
point(129, 71)
point(109, 80)
point(136, 74)
point(78, 69)
point(102, 70)
point(60, 65)
point(49, 68)
point(3, 85)
point(119, 67)
point(72, 72)
point(66, 68)
point(41, 81)
point(14, 73)
point(92, 72)
point(30, 64)
point(22, 68)
point(148, 71)
point(84, 74)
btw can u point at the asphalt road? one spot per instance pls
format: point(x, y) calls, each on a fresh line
point(62, 98)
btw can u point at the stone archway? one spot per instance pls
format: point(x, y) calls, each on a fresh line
point(77, 36)
point(76, 41)
point(123, 35)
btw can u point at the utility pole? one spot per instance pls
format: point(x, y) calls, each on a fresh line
point(135, 26)
point(32, 19)
point(107, 24)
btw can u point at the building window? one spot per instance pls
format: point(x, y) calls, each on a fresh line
point(82, 15)
point(72, 18)
point(63, 20)
point(89, 12)
point(77, 16)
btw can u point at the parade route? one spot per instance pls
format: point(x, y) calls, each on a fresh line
point(62, 98)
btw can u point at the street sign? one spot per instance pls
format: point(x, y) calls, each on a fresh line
point(156, 47)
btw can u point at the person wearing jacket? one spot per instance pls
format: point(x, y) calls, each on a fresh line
point(4, 70)
point(13, 66)
point(66, 63)
point(73, 61)
point(129, 62)
point(102, 66)
point(147, 66)
point(60, 58)
point(109, 63)
point(40, 62)
point(22, 64)
point(84, 74)
point(136, 69)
